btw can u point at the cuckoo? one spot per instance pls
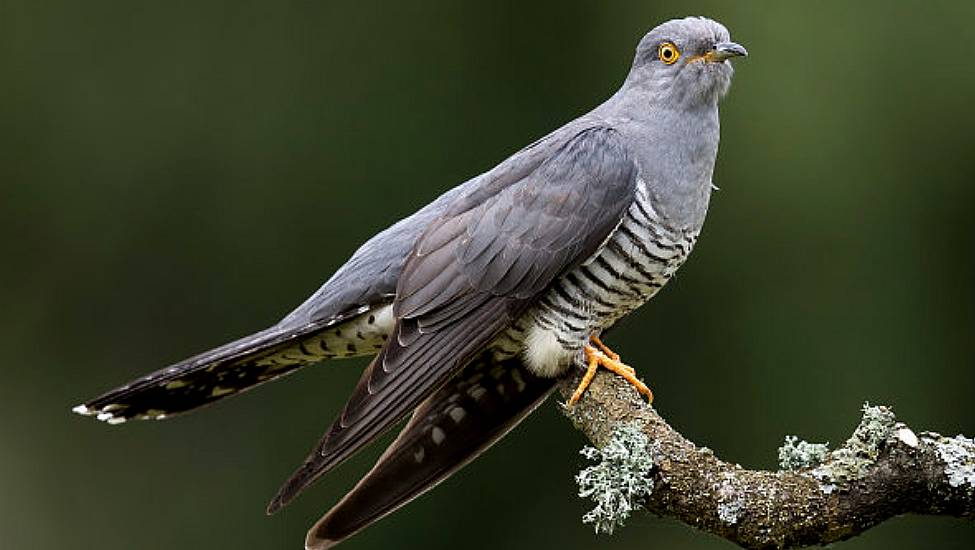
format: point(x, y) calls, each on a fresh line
point(476, 304)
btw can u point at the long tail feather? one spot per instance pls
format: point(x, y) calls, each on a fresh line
point(240, 365)
point(450, 429)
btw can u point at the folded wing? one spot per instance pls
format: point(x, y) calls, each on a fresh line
point(476, 269)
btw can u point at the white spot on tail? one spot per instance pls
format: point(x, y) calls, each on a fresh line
point(219, 391)
point(519, 381)
point(81, 409)
point(437, 435)
point(457, 414)
point(476, 392)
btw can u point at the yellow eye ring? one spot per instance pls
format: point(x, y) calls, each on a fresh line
point(668, 53)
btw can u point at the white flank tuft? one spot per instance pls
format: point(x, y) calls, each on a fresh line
point(544, 355)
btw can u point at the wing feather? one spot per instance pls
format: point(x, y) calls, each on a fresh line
point(530, 220)
point(448, 430)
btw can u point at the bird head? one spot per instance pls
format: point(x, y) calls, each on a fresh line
point(685, 62)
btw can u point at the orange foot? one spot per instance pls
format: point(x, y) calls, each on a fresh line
point(611, 360)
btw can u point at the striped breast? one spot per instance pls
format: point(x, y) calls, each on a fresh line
point(638, 259)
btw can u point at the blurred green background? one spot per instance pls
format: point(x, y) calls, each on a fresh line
point(178, 174)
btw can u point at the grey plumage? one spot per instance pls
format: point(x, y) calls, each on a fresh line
point(477, 269)
point(511, 272)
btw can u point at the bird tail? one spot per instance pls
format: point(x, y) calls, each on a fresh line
point(240, 365)
point(447, 431)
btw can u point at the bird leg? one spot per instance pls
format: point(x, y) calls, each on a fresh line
point(611, 361)
point(605, 349)
point(610, 353)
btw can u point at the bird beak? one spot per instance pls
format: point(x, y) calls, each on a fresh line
point(725, 50)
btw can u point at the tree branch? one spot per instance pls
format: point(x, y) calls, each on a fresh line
point(883, 470)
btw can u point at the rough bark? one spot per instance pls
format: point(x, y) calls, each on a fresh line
point(883, 470)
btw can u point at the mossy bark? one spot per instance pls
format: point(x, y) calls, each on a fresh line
point(882, 471)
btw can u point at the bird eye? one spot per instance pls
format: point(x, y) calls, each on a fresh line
point(668, 53)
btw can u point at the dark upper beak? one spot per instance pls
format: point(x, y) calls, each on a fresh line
point(726, 50)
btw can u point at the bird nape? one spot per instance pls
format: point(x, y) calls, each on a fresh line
point(476, 304)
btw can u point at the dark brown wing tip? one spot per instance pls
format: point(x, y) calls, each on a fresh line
point(304, 476)
point(285, 495)
point(274, 506)
point(318, 538)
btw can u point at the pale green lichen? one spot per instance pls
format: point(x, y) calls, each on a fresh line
point(874, 428)
point(796, 454)
point(958, 454)
point(851, 461)
point(620, 482)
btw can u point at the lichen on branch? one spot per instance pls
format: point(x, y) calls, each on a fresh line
point(620, 480)
point(884, 469)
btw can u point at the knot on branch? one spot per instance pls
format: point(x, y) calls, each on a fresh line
point(851, 461)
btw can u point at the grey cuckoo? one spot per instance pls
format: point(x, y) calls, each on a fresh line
point(476, 304)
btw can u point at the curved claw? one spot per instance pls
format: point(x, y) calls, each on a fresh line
point(597, 357)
